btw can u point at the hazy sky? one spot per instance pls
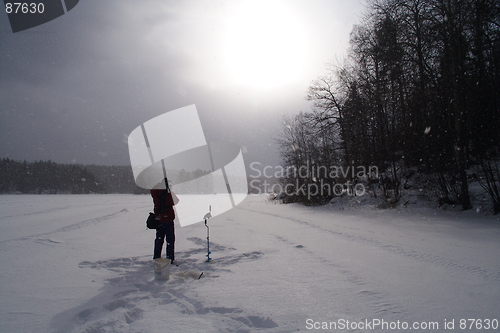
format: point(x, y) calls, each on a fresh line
point(73, 89)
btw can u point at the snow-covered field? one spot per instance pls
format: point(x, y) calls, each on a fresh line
point(82, 263)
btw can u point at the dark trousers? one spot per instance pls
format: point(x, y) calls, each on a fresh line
point(165, 231)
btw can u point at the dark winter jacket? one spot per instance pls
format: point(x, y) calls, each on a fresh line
point(164, 204)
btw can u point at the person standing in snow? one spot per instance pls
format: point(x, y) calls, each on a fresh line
point(164, 201)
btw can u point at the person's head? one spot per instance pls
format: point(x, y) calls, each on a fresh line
point(161, 185)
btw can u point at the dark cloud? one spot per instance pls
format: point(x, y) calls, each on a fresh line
point(74, 88)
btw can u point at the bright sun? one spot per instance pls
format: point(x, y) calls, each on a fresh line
point(265, 46)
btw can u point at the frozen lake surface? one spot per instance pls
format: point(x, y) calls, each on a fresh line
point(82, 263)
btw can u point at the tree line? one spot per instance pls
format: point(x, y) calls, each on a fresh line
point(420, 91)
point(47, 177)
